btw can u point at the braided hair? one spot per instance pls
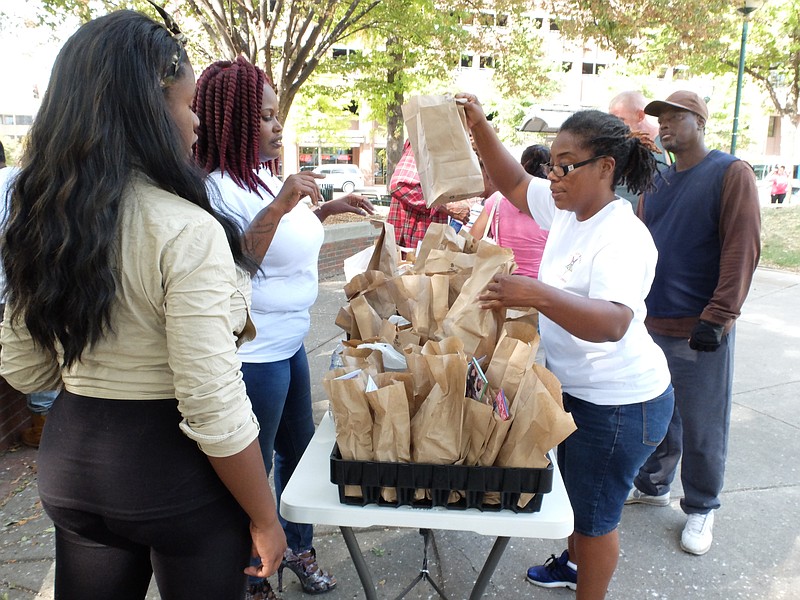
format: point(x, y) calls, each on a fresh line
point(607, 135)
point(228, 103)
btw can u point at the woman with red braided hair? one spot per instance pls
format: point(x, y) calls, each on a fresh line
point(239, 142)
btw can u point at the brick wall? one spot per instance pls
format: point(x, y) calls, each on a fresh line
point(342, 241)
point(14, 415)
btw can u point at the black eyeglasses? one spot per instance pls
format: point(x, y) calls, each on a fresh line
point(564, 170)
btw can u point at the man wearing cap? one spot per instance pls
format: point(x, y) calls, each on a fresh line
point(705, 219)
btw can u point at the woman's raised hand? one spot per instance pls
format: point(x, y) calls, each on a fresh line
point(352, 203)
point(472, 108)
point(299, 186)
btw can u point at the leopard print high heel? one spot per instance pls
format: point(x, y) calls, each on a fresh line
point(313, 579)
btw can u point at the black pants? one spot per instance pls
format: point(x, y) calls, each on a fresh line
point(777, 198)
point(132, 497)
point(198, 555)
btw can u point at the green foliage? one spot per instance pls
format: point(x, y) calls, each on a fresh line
point(780, 237)
point(13, 150)
point(704, 35)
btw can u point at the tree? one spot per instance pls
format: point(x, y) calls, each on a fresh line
point(415, 46)
point(288, 39)
point(702, 35)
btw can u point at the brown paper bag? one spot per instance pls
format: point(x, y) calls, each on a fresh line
point(513, 357)
point(438, 236)
point(479, 423)
point(391, 429)
point(368, 360)
point(478, 328)
point(421, 377)
point(386, 255)
point(448, 167)
point(372, 285)
point(346, 321)
point(456, 265)
point(352, 417)
point(437, 430)
point(540, 424)
point(470, 242)
point(367, 321)
point(423, 300)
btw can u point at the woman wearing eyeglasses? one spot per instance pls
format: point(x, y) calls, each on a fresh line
point(595, 273)
point(127, 286)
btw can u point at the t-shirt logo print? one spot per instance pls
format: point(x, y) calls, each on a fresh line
point(574, 260)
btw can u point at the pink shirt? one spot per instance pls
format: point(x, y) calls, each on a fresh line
point(513, 229)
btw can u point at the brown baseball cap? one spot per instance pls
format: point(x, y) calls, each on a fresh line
point(682, 99)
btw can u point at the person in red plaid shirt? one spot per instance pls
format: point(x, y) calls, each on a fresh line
point(407, 211)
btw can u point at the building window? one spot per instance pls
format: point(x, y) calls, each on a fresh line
point(23, 119)
point(680, 73)
point(8, 119)
point(502, 20)
point(487, 62)
point(345, 54)
point(592, 68)
point(553, 25)
point(486, 19)
point(773, 122)
point(566, 66)
point(466, 61)
point(314, 156)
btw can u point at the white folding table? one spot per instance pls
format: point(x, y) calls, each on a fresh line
point(310, 497)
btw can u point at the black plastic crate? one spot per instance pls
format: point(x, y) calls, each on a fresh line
point(440, 480)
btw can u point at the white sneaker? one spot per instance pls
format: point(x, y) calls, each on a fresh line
point(637, 497)
point(697, 535)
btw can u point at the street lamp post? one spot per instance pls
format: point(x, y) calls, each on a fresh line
point(746, 9)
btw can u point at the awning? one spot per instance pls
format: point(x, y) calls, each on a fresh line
point(545, 120)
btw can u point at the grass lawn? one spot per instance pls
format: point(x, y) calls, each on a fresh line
point(780, 238)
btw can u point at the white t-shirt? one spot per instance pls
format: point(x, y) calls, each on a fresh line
point(610, 256)
point(287, 285)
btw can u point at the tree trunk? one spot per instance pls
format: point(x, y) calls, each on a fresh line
point(394, 114)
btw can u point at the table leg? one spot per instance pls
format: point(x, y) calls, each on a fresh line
point(360, 564)
point(488, 567)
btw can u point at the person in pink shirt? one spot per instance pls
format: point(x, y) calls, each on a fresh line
point(509, 227)
point(780, 183)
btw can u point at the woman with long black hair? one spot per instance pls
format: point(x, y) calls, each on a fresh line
point(125, 285)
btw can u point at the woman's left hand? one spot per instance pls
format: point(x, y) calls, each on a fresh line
point(352, 203)
point(509, 290)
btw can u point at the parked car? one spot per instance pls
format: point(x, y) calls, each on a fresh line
point(343, 177)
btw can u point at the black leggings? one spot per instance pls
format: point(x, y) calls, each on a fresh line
point(131, 496)
point(201, 554)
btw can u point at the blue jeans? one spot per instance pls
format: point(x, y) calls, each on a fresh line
point(281, 396)
point(40, 402)
point(600, 459)
point(699, 428)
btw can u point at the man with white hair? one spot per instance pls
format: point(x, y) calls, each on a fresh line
point(629, 107)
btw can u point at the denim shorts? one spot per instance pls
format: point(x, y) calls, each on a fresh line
point(600, 459)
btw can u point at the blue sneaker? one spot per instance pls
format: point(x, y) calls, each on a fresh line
point(554, 573)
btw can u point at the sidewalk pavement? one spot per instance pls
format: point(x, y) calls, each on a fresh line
point(756, 550)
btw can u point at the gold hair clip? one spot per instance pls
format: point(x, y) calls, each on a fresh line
point(178, 36)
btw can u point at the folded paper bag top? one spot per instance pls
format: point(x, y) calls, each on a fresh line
point(447, 165)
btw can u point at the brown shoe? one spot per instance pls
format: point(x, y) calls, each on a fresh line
point(33, 435)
